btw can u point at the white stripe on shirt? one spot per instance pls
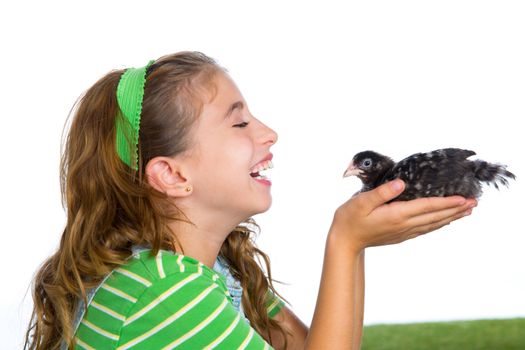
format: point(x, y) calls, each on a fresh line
point(119, 293)
point(160, 267)
point(84, 345)
point(247, 340)
point(107, 310)
point(199, 327)
point(100, 330)
point(134, 276)
point(224, 334)
point(179, 262)
point(160, 298)
point(169, 320)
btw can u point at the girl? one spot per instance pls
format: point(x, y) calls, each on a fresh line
point(160, 176)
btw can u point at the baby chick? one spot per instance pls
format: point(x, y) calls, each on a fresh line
point(440, 173)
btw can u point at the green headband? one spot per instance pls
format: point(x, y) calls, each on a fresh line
point(130, 92)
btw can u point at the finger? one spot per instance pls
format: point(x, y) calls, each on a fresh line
point(417, 231)
point(421, 206)
point(423, 229)
point(437, 216)
point(381, 195)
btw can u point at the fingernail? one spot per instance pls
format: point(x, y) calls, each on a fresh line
point(397, 185)
point(467, 212)
point(462, 201)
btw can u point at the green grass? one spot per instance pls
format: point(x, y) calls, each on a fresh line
point(460, 335)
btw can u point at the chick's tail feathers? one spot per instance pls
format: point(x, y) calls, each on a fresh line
point(492, 173)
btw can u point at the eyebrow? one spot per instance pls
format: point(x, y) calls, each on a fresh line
point(234, 106)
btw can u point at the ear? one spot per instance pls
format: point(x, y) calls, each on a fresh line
point(166, 175)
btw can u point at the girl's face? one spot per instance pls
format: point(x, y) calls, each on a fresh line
point(229, 145)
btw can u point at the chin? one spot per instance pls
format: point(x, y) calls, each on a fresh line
point(262, 207)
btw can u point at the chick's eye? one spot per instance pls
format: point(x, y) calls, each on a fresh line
point(241, 125)
point(367, 163)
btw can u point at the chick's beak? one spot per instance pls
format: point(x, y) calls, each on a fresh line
point(352, 170)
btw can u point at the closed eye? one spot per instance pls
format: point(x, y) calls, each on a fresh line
point(241, 125)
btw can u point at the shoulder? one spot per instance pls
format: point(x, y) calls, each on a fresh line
point(166, 300)
point(167, 264)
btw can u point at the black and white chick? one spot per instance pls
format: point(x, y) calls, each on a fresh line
point(440, 173)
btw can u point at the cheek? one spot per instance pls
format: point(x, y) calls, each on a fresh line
point(238, 156)
point(227, 158)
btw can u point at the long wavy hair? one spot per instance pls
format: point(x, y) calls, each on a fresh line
point(110, 207)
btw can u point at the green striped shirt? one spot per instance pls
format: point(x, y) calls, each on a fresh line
point(166, 302)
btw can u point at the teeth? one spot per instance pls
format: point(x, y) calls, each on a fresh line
point(263, 166)
point(266, 165)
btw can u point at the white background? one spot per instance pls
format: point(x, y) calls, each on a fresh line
point(398, 77)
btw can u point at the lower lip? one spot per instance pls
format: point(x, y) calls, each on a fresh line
point(264, 182)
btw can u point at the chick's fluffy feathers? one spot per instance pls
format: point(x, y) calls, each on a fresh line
point(439, 173)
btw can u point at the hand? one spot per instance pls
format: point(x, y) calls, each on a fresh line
point(365, 220)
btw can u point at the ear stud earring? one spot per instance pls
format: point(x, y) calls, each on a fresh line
point(188, 189)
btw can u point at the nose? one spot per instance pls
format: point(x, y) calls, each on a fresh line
point(266, 135)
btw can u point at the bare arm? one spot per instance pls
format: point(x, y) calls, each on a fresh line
point(298, 331)
point(359, 303)
point(362, 222)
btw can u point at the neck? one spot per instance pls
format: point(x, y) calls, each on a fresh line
point(382, 172)
point(201, 240)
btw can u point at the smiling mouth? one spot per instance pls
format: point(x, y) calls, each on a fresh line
point(263, 166)
point(257, 176)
